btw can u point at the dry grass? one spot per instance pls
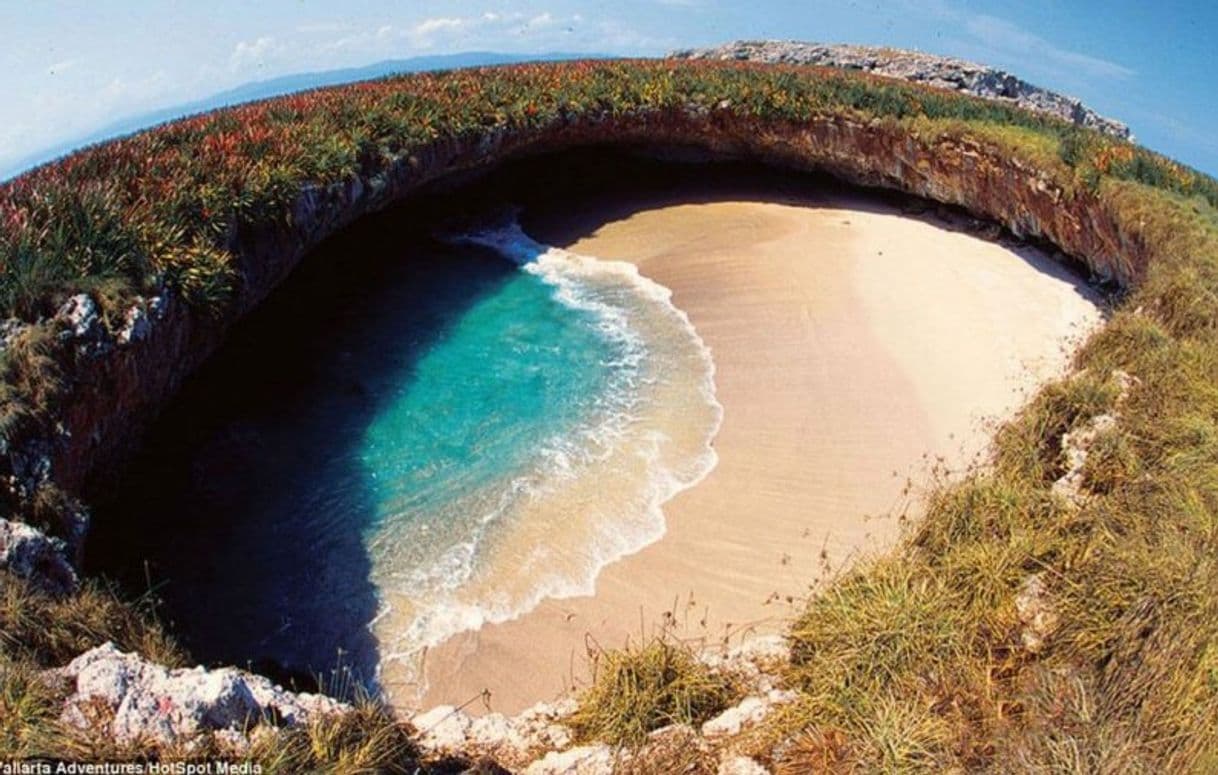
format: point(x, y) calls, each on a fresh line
point(638, 690)
point(915, 662)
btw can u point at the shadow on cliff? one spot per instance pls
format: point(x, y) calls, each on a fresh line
point(245, 511)
point(568, 196)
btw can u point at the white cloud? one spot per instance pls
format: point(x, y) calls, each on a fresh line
point(1008, 37)
point(254, 53)
point(68, 99)
point(439, 24)
point(61, 67)
point(492, 30)
point(991, 40)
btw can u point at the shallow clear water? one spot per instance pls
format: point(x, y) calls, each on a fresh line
point(443, 443)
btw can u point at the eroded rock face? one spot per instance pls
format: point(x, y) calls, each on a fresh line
point(940, 72)
point(26, 552)
point(132, 699)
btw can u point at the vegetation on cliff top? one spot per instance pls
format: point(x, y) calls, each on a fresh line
point(162, 205)
point(917, 660)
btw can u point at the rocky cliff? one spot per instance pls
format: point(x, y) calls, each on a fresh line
point(937, 71)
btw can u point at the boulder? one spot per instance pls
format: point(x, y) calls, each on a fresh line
point(26, 552)
point(741, 765)
point(134, 699)
point(584, 760)
point(444, 729)
point(82, 324)
point(1036, 613)
point(748, 712)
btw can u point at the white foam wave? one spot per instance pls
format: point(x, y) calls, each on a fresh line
point(615, 294)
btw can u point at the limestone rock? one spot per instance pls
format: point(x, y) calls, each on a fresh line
point(584, 760)
point(768, 648)
point(1036, 613)
point(26, 552)
point(1076, 446)
point(516, 739)
point(495, 731)
point(83, 325)
point(137, 325)
point(10, 329)
point(748, 712)
point(541, 727)
point(443, 728)
point(741, 765)
point(939, 72)
point(134, 699)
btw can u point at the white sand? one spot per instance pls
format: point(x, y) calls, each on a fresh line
point(853, 346)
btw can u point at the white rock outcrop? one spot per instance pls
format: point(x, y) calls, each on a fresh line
point(134, 699)
point(1076, 445)
point(1036, 613)
point(583, 760)
point(26, 552)
point(741, 765)
point(941, 72)
point(448, 730)
point(748, 712)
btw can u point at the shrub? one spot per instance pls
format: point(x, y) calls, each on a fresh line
point(640, 689)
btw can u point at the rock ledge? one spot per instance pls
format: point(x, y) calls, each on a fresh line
point(940, 72)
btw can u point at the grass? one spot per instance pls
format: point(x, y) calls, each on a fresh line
point(163, 206)
point(915, 662)
point(47, 631)
point(644, 688)
point(366, 740)
point(912, 662)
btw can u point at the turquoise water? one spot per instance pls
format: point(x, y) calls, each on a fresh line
point(386, 458)
point(515, 370)
point(483, 418)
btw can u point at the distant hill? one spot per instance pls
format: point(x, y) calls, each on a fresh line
point(286, 84)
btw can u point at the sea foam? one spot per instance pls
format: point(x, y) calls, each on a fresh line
point(587, 496)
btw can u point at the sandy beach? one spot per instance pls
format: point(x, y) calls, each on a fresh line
point(854, 346)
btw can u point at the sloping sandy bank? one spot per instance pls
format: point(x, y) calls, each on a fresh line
point(854, 346)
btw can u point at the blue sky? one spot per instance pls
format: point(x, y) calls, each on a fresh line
point(73, 67)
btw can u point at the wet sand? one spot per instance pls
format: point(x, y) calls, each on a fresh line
point(854, 346)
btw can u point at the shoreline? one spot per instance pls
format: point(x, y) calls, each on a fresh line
point(794, 299)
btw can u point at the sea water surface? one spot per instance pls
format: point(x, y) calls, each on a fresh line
point(449, 448)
